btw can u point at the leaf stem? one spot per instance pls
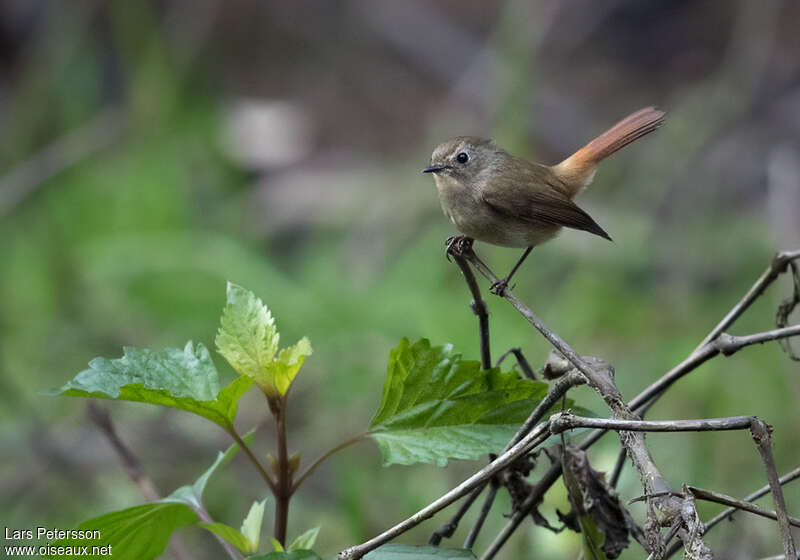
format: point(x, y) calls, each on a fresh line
point(259, 467)
point(313, 466)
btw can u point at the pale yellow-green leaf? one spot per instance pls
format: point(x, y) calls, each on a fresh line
point(247, 336)
point(276, 545)
point(251, 526)
point(248, 339)
point(289, 362)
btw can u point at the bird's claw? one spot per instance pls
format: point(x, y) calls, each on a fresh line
point(499, 288)
point(457, 245)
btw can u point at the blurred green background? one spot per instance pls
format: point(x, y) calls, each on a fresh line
point(153, 150)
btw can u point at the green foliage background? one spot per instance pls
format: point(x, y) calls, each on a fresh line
point(132, 244)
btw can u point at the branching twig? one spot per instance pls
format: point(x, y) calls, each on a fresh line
point(744, 505)
point(449, 528)
point(775, 269)
point(536, 437)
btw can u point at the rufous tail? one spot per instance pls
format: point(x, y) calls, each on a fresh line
point(577, 171)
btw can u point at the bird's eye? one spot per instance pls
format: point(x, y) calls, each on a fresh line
point(462, 157)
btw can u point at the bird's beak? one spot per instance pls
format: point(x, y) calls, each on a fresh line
point(434, 168)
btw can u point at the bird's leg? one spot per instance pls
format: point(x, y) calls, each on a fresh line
point(499, 287)
point(457, 245)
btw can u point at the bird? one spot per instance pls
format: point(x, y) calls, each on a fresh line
point(502, 199)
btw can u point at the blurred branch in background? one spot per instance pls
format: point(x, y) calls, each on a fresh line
point(102, 131)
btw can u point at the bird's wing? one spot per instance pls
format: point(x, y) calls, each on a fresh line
point(549, 206)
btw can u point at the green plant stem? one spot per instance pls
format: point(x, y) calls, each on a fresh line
point(284, 490)
point(259, 467)
point(313, 466)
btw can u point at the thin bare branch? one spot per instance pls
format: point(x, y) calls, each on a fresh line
point(455, 248)
point(472, 536)
point(562, 421)
point(449, 528)
point(727, 513)
point(534, 438)
point(775, 269)
point(101, 418)
point(761, 433)
point(716, 497)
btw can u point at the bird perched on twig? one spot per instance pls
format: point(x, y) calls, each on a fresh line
point(493, 196)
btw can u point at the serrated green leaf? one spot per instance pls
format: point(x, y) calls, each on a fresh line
point(292, 555)
point(192, 495)
point(436, 406)
point(248, 339)
point(306, 540)
point(406, 552)
point(236, 538)
point(247, 335)
point(251, 526)
point(137, 533)
point(183, 379)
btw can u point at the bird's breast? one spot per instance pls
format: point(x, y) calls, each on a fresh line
point(474, 218)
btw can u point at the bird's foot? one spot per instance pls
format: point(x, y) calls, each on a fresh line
point(499, 288)
point(457, 245)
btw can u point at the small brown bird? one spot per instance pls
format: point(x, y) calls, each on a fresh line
point(505, 200)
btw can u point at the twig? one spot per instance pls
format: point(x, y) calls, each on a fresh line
point(763, 491)
point(775, 269)
point(472, 536)
point(534, 438)
point(524, 510)
point(478, 305)
point(567, 421)
point(449, 528)
point(558, 390)
point(649, 475)
point(646, 398)
point(761, 435)
point(101, 418)
point(313, 466)
point(726, 513)
point(716, 497)
point(526, 368)
point(615, 474)
point(728, 344)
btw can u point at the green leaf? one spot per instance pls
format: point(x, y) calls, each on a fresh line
point(276, 545)
point(183, 379)
point(306, 540)
point(436, 406)
point(248, 339)
point(236, 538)
point(405, 552)
point(192, 495)
point(251, 526)
point(137, 533)
point(292, 555)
